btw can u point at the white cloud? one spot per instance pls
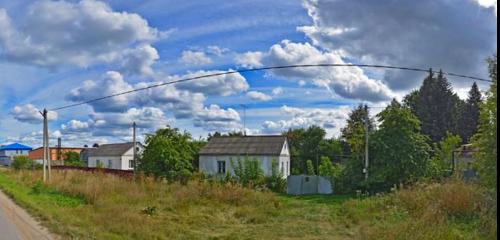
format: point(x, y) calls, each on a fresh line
point(57, 33)
point(214, 118)
point(259, 96)
point(139, 60)
point(222, 85)
point(277, 91)
point(30, 114)
point(330, 119)
point(195, 58)
point(489, 4)
point(347, 82)
point(249, 59)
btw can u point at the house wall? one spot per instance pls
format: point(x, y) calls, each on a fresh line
point(37, 154)
point(116, 162)
point(7, 156)
point(208, 163)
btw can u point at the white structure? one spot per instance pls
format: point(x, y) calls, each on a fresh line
point(220, 153)
point(10, 151)
point(113, 156)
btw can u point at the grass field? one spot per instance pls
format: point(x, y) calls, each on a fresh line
point(97, 206)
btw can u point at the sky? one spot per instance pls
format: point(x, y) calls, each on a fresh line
point(55, 53)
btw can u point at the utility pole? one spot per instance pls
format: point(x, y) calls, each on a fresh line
point(134, 146)
point(46, 150)
point(244, 119)
point(367, 121)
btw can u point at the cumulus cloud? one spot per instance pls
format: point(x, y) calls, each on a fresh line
point(222, 85)
point(214, 118)
point(330, 119)
point(195, 58)
point(30, 114)
point(348, 82)
point(259, 96)
point(55, 33)
point(112, 83)
point(277, 91)
point(250, 59)
point(454, 35)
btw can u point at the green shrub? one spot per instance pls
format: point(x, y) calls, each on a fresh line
point(276, 182)
point(248, 172)
point(23, 162)
point(310, 168)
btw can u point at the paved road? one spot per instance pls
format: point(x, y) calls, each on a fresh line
point(17, 224)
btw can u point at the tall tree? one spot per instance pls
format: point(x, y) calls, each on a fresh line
point(354, 135)
point(469, 116)
point(486, 138)
point(169, 154)
point(436, 106)
point(305, 144)
point(400, 153)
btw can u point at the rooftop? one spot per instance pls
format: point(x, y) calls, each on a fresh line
point(115, 149)
point(244, 145)
point(15, 146)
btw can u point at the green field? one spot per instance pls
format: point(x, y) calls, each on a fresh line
point(97, 206)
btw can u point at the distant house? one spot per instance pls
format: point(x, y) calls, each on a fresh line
point(216, 156)
point(56, 154)
point(464, 156)
point(113, 156)
point(8, 152)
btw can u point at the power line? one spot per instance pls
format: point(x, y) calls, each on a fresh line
point(263, 69)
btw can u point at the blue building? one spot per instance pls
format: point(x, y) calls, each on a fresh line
point(8, 152)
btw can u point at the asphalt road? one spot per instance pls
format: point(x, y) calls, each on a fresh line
point(17, 224)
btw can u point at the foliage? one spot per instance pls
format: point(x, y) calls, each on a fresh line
point(354, 135)
point(469, 114)
point(334, 172)
point(400, 153)
point(169, 154)
point(276, 182)
point(486, 138)
point(248, 172)
point(229, 134)
point(72, 159)
point(306, 144)
point(99, 164)
point(436, 106)
point(310, 168)
point(23, 162)
point(441, 161)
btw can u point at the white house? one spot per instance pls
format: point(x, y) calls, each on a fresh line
point(216, 156)
point(113, 156)
point(10, 151)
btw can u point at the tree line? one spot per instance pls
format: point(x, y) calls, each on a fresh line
point(409, 141)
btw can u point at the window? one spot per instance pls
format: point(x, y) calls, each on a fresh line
point(98, 163)
point(282, 169)
point(110, 164)
point(130, 163)
point(287, 168)
point(221, 167)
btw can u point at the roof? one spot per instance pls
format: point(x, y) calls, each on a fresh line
point(62, 148)
point(244, 145)
point(108, 150)
point(15, 146)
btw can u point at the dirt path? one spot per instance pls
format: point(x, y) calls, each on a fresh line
point(16, 223)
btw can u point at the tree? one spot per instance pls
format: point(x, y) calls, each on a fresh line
point(168, 154)
point(305, 144)
point(469, 115)
point(229, 134)
point(441, 162)
point(334, 172)
point(400, 153)
point(486, 138)
point(72, 159)
point(436, 106)
point(354, 135)
point(310, 168)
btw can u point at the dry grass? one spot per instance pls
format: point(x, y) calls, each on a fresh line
point(98, 206)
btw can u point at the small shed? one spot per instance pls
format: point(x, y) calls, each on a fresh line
point(307, 184)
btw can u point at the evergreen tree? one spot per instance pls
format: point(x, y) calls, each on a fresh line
point(469, 116)
point(436, 106)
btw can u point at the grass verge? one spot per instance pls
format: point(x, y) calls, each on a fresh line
point(98, 206)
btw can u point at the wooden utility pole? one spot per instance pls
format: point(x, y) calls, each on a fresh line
point(134, 146)
point(367, 121)
point(44, 115)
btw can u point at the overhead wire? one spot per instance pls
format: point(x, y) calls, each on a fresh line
point(264, 69)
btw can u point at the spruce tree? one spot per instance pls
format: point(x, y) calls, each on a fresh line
point(469, 116)
point(436, 106)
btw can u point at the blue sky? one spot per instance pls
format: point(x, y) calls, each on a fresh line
point(54, 53)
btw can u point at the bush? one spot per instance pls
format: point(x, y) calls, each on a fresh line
point(248, 172)
point(276, 182)
point(23, 162)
